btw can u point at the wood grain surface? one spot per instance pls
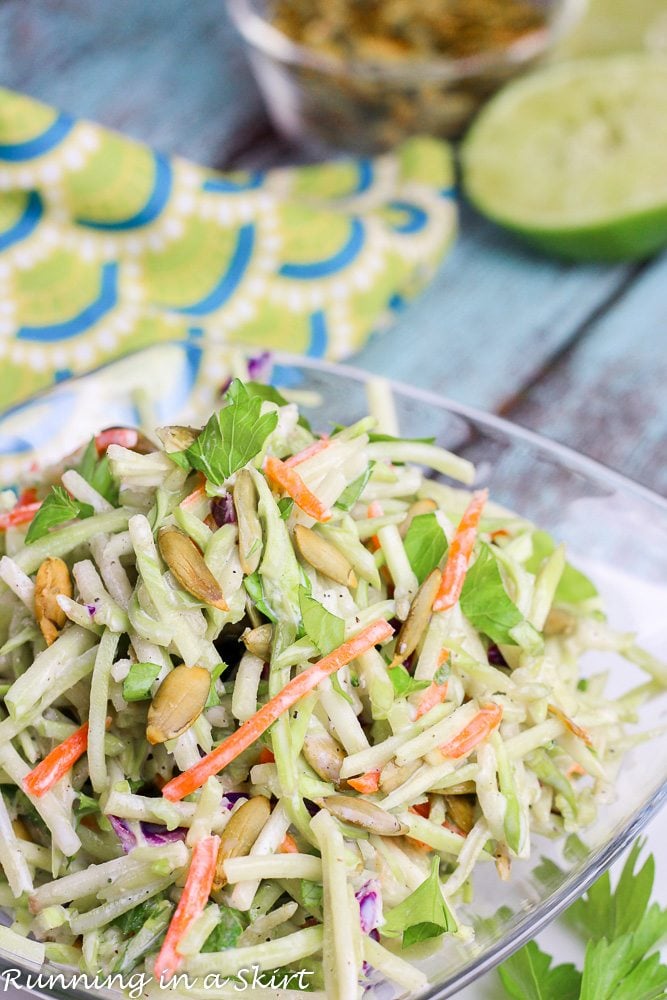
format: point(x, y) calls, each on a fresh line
point(576, 352)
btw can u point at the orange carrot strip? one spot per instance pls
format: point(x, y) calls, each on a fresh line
point(193, 899)
point(288, 845)
point(266, 756)
point(57, 763)
point(20, 514)
point(289, 480)
point(313, 449)
point(375, 510)
point(419, 845)
point(459, 553)
point(252, 728)
point(432, 696)
point(366, 783)
point(421, 809)
point(28, 495)
point(487, 719)
point(453, 828)
point(574, 769)
point(576, 730)
point(198, 493)
point(126, 437)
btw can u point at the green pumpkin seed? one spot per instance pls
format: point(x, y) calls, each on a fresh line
point(187, 564)
point(324, 557)
point(240, 834)
point(177, 703)
point(250, 528)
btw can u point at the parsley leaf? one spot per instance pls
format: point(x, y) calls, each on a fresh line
point(425, 544)
point(485, 602)
point(130, 923)
point(573, 586)
point(311, 895)
point(255, 590)
point(97, 472)
point(404, 684)
point(85, 805)
point(326, 630)
point(232, 437)
point(227, 932)
point(285, 507)
point(139, 681)
point(529, 975)
point(351, 493)
point(213, 696)
point(423, 914)
point(57, 508)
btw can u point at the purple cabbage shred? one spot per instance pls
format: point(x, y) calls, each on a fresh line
point(155, 835)
point(222, 509)
point(259, 367)
point(122, 829)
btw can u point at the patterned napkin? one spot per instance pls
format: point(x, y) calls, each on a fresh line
point(107, 246)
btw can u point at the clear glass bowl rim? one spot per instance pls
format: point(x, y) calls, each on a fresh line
point(577, 882)
point(262, 35)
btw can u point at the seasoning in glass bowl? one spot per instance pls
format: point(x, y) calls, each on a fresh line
point(389, 30)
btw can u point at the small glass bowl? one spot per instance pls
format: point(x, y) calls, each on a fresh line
point(325, 103)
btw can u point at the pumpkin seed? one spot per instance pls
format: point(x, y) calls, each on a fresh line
point(324, 557)
point(464, 788)
point(250, 529)
point(240, 834)
point(560, 622)
point(258, 641)
point(418, 617)
point(425, 506)
point(461, 809)
point(176, 437)
point(365, 814)
point(187, 564)
point(391, 775)
point(324, 755)
point(52, 579)
point(177, 703)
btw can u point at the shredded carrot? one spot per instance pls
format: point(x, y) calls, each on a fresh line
point(573, 769)
point(453, 828)
point(576, 730)
point(266, 756)
point(289, 480)
point(193, 900)
point(459, 553)
point(375, 633)
point(28, 495)
point(421, 809)
point(432, 696)
point(288, 845)
point(375, 510)
point(20, 514)
point(126, 437)
point(366, 783)
point(57, 763)
point(313, 449)
point(482, 725)
point(419, 845)
point(198, 493)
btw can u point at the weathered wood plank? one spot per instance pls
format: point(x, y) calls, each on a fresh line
point(607, 396)
point(168, 72)
point(492, 318)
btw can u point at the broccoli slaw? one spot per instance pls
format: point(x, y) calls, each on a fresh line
point(269, 697)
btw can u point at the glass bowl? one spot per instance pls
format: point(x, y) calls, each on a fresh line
point(327, 103)
point(615, 531)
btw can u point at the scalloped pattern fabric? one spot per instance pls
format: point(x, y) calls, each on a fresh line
point(107, 246)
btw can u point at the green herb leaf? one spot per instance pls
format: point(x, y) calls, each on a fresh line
point(285, 507)
point(485, 602)
point(425, 544)
point(254, 588)
point(603, 914)
point(57, 508)
point(97, 472)
point(130, 923)
point(351, 493)
point(311, 894)
point(423, 914)
point(404, 684)
point(138, 683)
point(179, 458)
point(326, 630)
point(227, 932)
point(213, 696)
point(336, 685)
point(573, 586)
point(528, 975)
point(232, 437)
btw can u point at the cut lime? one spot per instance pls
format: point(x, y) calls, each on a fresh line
point(574, 158)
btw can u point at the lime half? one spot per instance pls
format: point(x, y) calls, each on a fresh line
point(574, 158)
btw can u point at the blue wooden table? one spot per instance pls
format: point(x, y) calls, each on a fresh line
point(576, 352)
